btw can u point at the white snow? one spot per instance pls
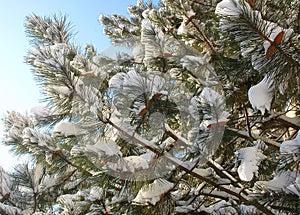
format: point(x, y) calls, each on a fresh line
point(116, 82)
point(40, 111)
point(228, 8)
point(210, 96)
point(281, 182)
point(37, 173)
point(295, 187)
point(183, 26)
point(136, 163)
point(157, 44)
point(148, 156)
point(48, 181)
point(62, 90)
point(66, 129)
point(138, 53)
point(96, 193)
point(261, 94)
point(182, 29)
point(250, 158)
point(129, 164)
point(221, 207)
point(203, 172)
point(152, 193)
point(29, 134)
point(5, 182)
point(217, 104)
point(10, 209)
point(291, 146)
point(107, 148)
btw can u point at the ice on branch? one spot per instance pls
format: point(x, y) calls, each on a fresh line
point(136, 84)
point(52, 57)
point(72, 202)
point(48, 181)
point(7, 209)
point(152, 193)
point(250, 158)
point(261, 95)
point(42, 114)
point(38, 172)
point(291, 146)
point(228, 8)
point(31, 135)
point(67, 129)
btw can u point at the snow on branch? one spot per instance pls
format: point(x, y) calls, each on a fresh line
point(261, 95)
point(229, 8)
point(266, 43)
point(250, 158)
point(157, 44)
point(152, 193)
point(67, 129)
point(282, 182)
point(48, 30)
point(201, 69)
point(291, 146)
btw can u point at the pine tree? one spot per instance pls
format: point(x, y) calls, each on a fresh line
point(202, 118)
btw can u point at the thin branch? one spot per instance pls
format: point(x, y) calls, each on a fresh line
point(81, 169)
point(291, 122)
point(245, 135)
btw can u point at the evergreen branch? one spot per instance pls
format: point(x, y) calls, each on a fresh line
point(179, 164)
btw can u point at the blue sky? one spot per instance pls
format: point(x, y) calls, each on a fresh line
point(18, 91)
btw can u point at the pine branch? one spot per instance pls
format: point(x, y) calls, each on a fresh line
point(179, 164)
